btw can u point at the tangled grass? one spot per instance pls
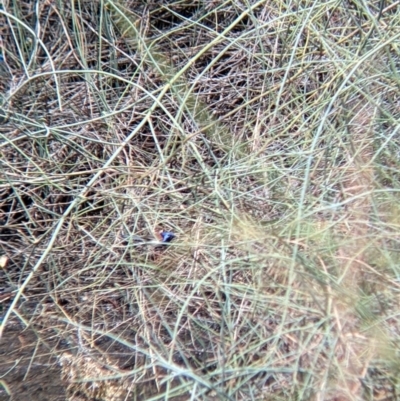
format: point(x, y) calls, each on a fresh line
point(265, 135)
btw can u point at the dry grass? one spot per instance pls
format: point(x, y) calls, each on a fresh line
point(265, 135)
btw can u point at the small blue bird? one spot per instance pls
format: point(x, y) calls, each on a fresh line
point(162, 238)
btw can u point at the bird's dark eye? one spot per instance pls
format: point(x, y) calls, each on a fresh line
point(167, 236)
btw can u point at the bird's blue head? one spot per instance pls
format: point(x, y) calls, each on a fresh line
point(167, 236)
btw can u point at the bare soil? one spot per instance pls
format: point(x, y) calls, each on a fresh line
point(28, 369)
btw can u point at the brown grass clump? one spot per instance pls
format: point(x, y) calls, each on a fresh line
point(264, 135)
